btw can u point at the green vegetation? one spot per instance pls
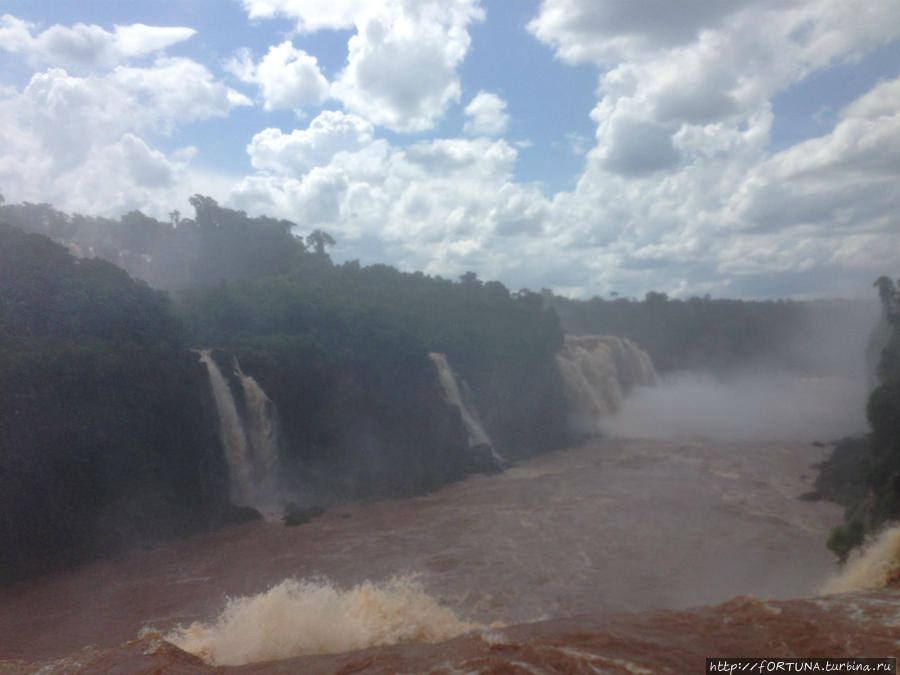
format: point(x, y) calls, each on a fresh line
point(216, 244)
point(104, 419)
point(343, 352)
point(864, 474)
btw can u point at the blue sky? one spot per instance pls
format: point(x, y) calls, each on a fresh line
point(745, 149)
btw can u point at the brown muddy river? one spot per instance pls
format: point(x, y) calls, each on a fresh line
point(611, 526)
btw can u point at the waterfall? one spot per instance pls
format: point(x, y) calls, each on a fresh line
point(598, 372)
point(262, 432)
point(251, 444)
point(459, 396)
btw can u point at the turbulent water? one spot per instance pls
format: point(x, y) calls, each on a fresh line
point(611, 526)
point(875, 565)
point(631, 539)
point(294, 618)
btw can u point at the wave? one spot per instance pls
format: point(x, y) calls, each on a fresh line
point(296, 618)
point(876, 565)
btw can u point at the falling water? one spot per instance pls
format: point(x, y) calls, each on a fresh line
point(251, 445)
point(599, 371)
point(262, 433)
point(232, 434)
point(460, 397)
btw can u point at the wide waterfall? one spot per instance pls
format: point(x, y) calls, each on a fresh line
point(598, 372)
point(457, 393)
point(251, 443)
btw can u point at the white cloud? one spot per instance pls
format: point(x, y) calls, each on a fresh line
point(310, 15)
point(632, 146)
point(815, 219)
point(882, 100)
point(296, 153)
point(83, 142)
point(842, 181)
point(85, 46)
point(487, 115)
point(680, 189)
point(438, 205)
point(402, 61)
point(287, 77)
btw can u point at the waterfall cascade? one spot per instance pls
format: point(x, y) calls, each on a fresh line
point(457, 393)
point(251, 444)
point(598, 372)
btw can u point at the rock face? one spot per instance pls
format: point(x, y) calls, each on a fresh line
point(599, 371)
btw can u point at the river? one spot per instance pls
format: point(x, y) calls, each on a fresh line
point(608, 527)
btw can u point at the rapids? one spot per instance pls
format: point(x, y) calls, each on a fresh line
point(607, 527)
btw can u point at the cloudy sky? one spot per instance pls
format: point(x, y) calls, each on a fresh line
point(743, 148)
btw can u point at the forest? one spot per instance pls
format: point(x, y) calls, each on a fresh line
point(108, 431)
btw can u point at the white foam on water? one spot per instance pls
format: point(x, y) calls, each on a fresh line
point(295, 618)
point(876, 565)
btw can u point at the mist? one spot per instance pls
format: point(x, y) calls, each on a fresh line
point(747, 406)
point(811, 385)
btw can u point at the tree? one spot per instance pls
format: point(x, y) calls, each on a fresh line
point(470, 279)
point(318, 240)
point(205, 209)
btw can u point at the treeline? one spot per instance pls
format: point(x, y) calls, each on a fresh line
point(718, 335)
point(863, 474)
point(217, 244)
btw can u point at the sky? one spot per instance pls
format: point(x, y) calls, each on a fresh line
point(737, 148)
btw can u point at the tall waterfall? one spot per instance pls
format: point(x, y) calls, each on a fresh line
point(250, 444)
point(460, 396)
point(598, 372)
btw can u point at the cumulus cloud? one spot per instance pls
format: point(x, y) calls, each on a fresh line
point(631, 146)
point(402, 60)
point(296, 153)
point(83, 140)
point(437, 205)
point(881, 100)
point(310, 15)
point(287, 77)
point(840, 182)
point(681, 187)
point(487, 115)
point(84, 46)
